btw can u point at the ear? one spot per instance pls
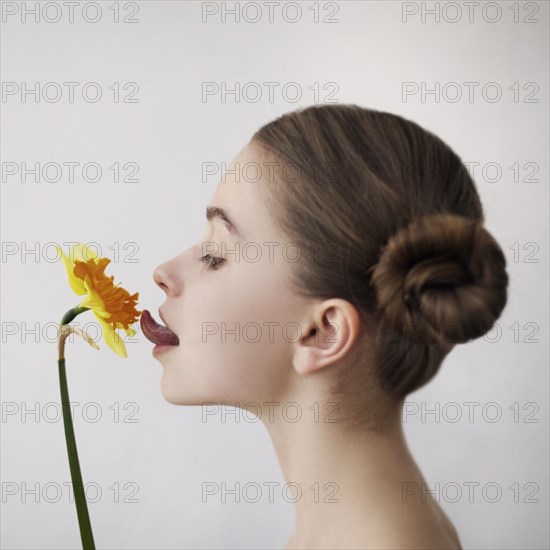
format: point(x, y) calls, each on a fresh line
point(330, 333)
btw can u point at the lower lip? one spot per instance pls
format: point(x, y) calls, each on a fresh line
point(161, 349)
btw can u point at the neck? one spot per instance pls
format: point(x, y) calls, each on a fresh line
point(341, 476)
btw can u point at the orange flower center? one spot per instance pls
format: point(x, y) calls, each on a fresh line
point(117, 300)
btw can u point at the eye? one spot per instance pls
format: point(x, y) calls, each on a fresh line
point(212, 261)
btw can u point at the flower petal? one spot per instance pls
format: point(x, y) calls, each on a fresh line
point(82, 253)
point(76, 284)
point(93, 300)
point(130, 331)
point(112, 338)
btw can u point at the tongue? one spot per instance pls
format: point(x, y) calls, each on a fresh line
point(158, 334)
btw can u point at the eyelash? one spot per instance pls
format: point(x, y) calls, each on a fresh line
point(212, 261)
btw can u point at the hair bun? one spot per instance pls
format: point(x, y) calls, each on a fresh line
point(441, 279)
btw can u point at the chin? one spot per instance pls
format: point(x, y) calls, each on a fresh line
point(170, 393)
point(173, 392)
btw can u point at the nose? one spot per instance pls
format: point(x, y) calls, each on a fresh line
point(169, 275)
point(163, 276)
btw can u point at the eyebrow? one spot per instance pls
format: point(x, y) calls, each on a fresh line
point(213, 212)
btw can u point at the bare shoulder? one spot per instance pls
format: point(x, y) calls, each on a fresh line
point(416, 525)
point(448, 528)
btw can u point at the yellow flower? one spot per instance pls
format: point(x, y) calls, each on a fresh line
point(112, 305)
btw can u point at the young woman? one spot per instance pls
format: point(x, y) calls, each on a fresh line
point(345, 255)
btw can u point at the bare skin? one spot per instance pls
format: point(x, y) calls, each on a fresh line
point(363, 469)
point(375, 480)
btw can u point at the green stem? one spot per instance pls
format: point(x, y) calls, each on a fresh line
point(86, 534)
point(72, 313)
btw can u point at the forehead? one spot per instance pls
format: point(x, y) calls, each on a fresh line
point(242, 192)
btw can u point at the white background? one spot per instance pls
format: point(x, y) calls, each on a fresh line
point(170, 132)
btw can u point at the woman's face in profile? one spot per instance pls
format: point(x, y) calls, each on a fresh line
point(236, 318)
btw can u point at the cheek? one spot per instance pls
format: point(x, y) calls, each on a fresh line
point(237, 333)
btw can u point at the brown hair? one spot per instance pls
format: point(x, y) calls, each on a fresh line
point(402, 222)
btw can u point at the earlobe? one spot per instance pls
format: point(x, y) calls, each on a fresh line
point(328, 338)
